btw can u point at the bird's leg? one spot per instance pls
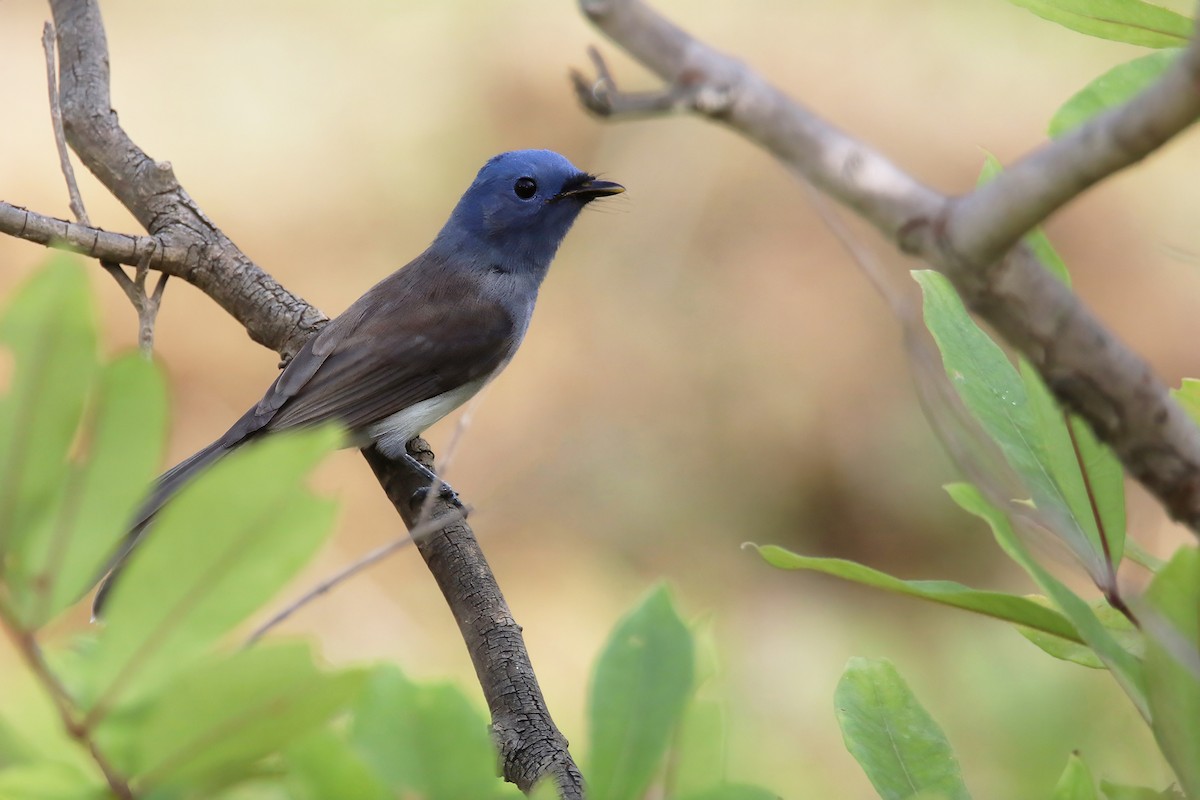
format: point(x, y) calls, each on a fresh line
point(446, 491)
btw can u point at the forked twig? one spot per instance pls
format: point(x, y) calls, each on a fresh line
point(146, 304)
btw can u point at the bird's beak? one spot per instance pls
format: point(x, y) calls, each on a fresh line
point(591, 189)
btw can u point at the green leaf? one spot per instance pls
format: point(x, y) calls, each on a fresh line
point(123, 445)
point(49, 330)
point(213, 722)
point(1087, 474)
point(49, 780)
point(1142, 557)
point(1125, 667)
point(215, 554)
point(264, 788)
point(1117, 791)
point(641, 685)
point(1007, 607)
point(698, 756)
point(893, 738)
point(424, 741)
point(323, 766)
point(999, 399)
point(256, 788)
point(1130, 21)
point(1076, 782)
point(1111, 89)
point(1117, 624)
point(14, 749)
point(697, 760)
point(1036, 239)
point(1188, 396)
point(733, 791)
point(1173, 665)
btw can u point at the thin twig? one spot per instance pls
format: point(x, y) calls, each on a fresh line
point(60, 138)
point(123, 280)
point(146, 305)
point(601, 95)
point(353, 568)
point(424, 527)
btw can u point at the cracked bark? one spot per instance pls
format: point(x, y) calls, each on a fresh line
point(530, 744)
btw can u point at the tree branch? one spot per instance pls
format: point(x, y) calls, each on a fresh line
point(531, 746)
point(119, 248)
point(184, 242)
point(973, 239)
point(272, 315)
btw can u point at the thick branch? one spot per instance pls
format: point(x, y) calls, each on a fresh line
point(272, 315)
point(975, 239)
point(530, 745)
point(990, 220)
point(189, 245)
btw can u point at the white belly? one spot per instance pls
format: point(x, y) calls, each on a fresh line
point(394, 432)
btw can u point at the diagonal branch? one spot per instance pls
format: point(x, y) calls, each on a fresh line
point(272, 315)
point(973, 239)
point(530, 745)
point(184, 242)
point(991, 219)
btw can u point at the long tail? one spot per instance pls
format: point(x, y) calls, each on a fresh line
point(167, 485)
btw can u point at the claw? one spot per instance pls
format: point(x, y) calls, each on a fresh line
point(445, 492)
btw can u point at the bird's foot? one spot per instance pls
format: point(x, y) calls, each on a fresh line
point(446, 492)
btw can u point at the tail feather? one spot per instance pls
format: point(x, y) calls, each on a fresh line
point(165, 488)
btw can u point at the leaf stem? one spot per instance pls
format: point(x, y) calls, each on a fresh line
point(1112, 592)
point(31, 652)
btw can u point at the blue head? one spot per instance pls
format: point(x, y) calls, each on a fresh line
point(518, 209)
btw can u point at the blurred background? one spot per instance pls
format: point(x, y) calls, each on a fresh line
point(706, 366)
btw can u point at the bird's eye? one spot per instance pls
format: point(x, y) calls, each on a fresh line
point(525, 188)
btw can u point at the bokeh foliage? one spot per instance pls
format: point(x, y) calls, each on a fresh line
point(155, 701)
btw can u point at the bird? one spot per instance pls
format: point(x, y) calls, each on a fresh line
point(423, 340)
